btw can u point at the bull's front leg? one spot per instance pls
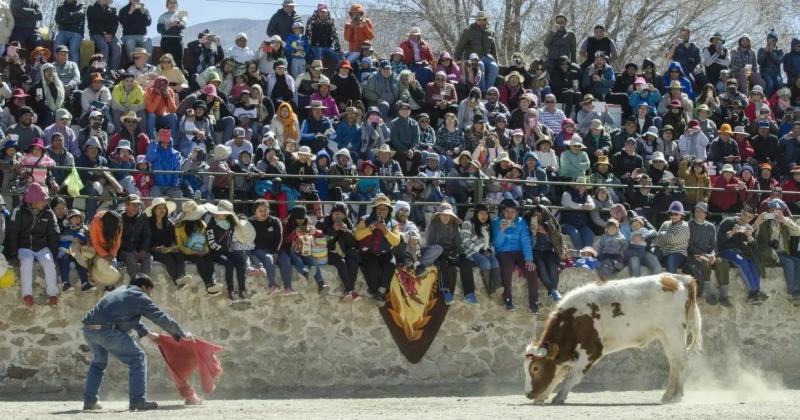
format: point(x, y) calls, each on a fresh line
point(573, 378)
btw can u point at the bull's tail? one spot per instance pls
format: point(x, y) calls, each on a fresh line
point(693, 319)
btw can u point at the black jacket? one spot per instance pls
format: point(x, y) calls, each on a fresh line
point(136, 23)
point(71, 17)
point(203, 57)
point(269, 234)
point(135, 233)
point(102, 19)
point(219, 240)
point(345, 239)
point(281, 24)
point(27, 13)
point(295, 167)
point(32, 231)
point(347, 89)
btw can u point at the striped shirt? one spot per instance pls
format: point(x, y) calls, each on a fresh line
point(552, 120)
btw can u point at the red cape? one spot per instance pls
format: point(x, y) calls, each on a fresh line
point(184, 357)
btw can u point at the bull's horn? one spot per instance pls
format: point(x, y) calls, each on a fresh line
point(541, 351)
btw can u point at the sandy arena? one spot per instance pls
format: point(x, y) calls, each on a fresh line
point(597, 405)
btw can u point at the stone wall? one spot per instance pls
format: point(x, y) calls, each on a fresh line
point(314, 341)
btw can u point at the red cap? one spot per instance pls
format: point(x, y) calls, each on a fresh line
point(694, 123)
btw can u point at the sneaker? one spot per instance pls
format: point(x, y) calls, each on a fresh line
point(711, 299)
point(289, 291)
point(555, 295)
point(448, 297)
point(761, 295)
point(534, 308)
point(231, 296)
point(355, 296)
point(471, 299)
point(322, 287)
point(243, 295)
point(752, 298)
point(273, 290)
point(52, 301)
point(66, 288)
point(214, 289)
point(509, 305)
point(87, 288)
point(28, 301)
point(725, 301)
point(95, 406)
point(143, 406)
point(379, 300)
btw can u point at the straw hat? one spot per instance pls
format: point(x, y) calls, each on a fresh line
point(221, 152)
point(244, 232)
point(317, 65)
point(414, 31)
point(139, 51)
point(190, 211)
point(323, 81)
point(603, 160)
point(316, 104)
point(171, 206)
point(382, 200)
point(446, 208)
point(740, 130)
point(384, 149)
point(501, 157)
point(104, 273)
point(131, 115)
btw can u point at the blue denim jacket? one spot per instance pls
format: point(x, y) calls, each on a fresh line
point(125, 306)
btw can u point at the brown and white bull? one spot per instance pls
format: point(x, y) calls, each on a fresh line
point(602, 318)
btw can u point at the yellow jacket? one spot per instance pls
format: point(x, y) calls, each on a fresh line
point(180, 237)
point(127, 101)
point(691, 179)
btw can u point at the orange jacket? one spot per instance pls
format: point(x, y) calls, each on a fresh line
point(96, 237)
point(156, 103)
point(356, 35)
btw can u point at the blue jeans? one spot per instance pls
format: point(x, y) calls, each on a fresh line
point(791, 272)
point(547, 266)
point(64, 262)
point(73, 41)
point(28, 37)
point(490, 71)
point(131, 42)
point(649, 260)
point(749, 269)
point(674, 261)
point(267, 262)
point(123, 347)
point(771, 83)
point(225, 125)
point(325, 53)
point(485, 262)
point(303, 264)
point(580, 236)
point(112, 51)
point(164, 121)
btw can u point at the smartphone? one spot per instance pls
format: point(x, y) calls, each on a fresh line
point(769, 216)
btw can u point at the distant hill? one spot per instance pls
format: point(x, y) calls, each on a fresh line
point(227, 29)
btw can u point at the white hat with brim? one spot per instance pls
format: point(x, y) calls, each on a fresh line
point(384, 149)
point(576, 141)
point(221, 152)
point(447, 209)
point(104, 273)
point(171, 206)
point(244, 232)
point(223, 208)
point(304, 150)
point(323, 81)
point(191, 211)
point(728, 168)
point(658, 157)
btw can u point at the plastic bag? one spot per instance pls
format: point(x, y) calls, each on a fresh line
point(73, 183)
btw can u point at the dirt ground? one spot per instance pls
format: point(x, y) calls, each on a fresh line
point(597, 405)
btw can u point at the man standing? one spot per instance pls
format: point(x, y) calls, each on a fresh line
point(106, 328)
point(685, 52)
point(135, 19)
point(599, 42)
point(103, 23)
point(478, 39)
point(559, 42)
point(512, 243)
point(27, 14)
point(281, 22)
point(134, 251)
point(71, 17)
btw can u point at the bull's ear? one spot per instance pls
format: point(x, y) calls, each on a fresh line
point(552, 351)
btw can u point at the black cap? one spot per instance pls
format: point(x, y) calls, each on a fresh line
point(478, 118)
point(25, 110)
point(509, 203)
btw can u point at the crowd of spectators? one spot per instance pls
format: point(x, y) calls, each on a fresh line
point(716, 132)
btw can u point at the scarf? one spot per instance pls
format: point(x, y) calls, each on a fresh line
point(289, 123)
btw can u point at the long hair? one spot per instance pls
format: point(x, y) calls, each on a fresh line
point(112, 225)
point(477, 226)
point(191, 226)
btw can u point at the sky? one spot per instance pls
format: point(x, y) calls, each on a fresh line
point(207, 10)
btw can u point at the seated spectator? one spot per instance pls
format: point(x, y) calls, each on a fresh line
point(513, 248)
point(169, 68)
point(476, 238)
point(724, 150)
point(345, 89)
point(142, 70)
point(575, 221)
point(574, 162)
point(694, 174)
point(190, 236)
point(135, 249)
point(162, 156)
point(735, 239)
point(96, 96)
point(206, 51)
point(693, 143)
point(378, 233)
point(160, 106)
point(443, 247)
point(672, 240)
point(610, 250)
point(127, 96)
point(418, 56)
point(479, 40)
point(163, 241)
point(772, 234)
point(219, 236)
point(322, 34)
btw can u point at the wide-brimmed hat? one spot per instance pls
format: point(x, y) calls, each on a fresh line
point(589, 250)
point(652, 131)
point(37, 142)
point(131, 115)
point(323, 81)
point(703, 107)
point(728, 168)
point(446, 208)
point(384, 149)
point(740, 130)
point(658, 157)
point(725, 129)
point(190, 210)
point(414, 31)
point(577, 141)
point(171, 206)
point(44, 51)
point(221, 152)
point(139, 51)
point(382, 200)
point(19, 93)
point(603, 160)
point(352, 110)
point(501, 157)
point(304, 150)
point(481, 15)
point(517, 74)
point(675, 85)
point(588, 98)
point(124, 145)
point(316, 105)
point(223, 208)
point(316, 65)
point(344, 64)
point(104, 273)
point(244, 232)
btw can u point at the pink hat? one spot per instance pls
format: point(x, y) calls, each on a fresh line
point(518, 132)
point(322, 7)
point(141, 159)
point(639, 81)
point(36, 193)
point(209, 90)
point(37, 142)
point(164, 134)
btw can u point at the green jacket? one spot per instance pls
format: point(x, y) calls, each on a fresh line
point(476, 40)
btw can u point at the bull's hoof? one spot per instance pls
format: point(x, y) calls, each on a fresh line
point(671, 399)
point(558, 401)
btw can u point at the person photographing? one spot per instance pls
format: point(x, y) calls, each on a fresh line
point(107, 327)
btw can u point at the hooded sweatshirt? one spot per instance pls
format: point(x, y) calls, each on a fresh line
point(164, 159)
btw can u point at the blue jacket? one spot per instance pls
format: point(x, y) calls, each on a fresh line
point(685, 82)
point(295, 43)
point(652, 100)
point(537, 174)
point(167, 159)
point(348, 136)
point(516, 237)
point(310, 128)
point(321, 184)
point(125, 306)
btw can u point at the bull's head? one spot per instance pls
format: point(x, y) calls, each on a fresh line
point(540, 370)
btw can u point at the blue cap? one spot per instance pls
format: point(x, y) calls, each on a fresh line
point(385, 64)
point(775, 204)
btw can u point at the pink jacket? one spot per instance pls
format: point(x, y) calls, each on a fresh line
point(331, 109)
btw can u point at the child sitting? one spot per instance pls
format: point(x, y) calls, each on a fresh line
point(397, 60)
point(587, 259)
point(142, 177)
point(239, 85)
point(366, 188)
point(639, 236)
point(512, 190)
point(33, 161)
point(122, 158)
point(611, 248)
point(72, 231)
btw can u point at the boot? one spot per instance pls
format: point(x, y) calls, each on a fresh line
point(724, 299)
point(708, 291)
point(496, 281)
point(487, 281)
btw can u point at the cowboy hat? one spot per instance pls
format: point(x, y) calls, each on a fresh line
point(171, 206)
point(603, 160)
point(316, 65)
point(104, 273)
point(414, 31)
point(221, 152)
point(446, 208)
point(131, 115)
point(382, 200)
point(244, 232)
point(658, 157)
point(725, 129)
point(139, 51)
point(576, 141)
point(384, 149)
point(740, 130)
point(316, 104)
point(588, 98)
point(190, 211)
point(323, 81)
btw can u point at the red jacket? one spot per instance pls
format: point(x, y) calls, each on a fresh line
point(750, 111)
point(355, 35)
point(790, 185)
point(424, 52)
point(139, 146)
point(746, 150)
point(724, 200)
